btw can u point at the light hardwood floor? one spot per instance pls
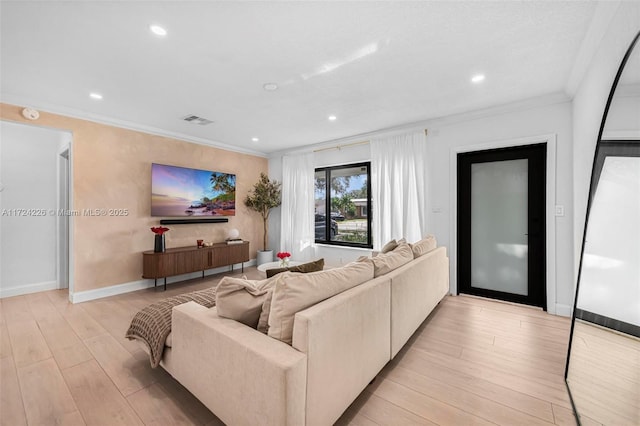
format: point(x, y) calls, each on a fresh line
point(604, 374)
point(473, 361)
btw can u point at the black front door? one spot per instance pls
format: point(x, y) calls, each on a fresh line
point(501, 224)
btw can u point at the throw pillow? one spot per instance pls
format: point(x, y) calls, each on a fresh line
point(295, 292)
point(424, 246)
point(241, 299)
point(263, 321)
point(387, 262)
point(390, 246)
point(317, 265)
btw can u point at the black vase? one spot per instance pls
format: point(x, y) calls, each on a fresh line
point(159, 244)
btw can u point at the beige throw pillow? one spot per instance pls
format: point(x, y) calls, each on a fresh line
point(387, 262)
point(295, 292)
point(390, 246)
point(263, 321)
point(424, 246)
point(241, 299)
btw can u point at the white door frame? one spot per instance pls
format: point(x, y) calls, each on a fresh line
point(550, 140)
point(62, 246)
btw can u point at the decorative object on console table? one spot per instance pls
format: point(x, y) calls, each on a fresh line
point(284, 257)
point(264, 196)
point(233, 237)
point(159, 246)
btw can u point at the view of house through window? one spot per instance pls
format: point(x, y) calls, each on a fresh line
point(342, 205)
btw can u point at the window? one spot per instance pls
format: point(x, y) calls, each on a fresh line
point(343, 205)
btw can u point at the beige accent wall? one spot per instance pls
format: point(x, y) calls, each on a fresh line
point(112, 170)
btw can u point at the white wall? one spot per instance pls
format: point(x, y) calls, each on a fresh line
point(28, 173)
point(552, 117)
point(508, 126)
point(589, 103)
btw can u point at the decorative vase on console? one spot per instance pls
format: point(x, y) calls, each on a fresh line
point(159, 246)
point(284, 257)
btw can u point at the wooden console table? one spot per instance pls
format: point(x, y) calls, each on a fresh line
point(183, 260)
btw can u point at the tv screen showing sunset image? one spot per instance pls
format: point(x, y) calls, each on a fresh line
point(180, 192)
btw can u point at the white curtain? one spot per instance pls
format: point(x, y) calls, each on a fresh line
point(399, 188)
point(296, 221)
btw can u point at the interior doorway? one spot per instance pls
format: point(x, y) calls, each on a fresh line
point(501, 222)
point(35, 179)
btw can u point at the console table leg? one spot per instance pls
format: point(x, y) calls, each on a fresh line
point(165, 283)
point(242, 266)
point(155, 282)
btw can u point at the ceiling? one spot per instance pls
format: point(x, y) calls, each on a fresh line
point(374, 65)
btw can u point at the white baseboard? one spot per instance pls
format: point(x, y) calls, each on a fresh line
point(99, 293)
point(563, 310)
point(28, 288)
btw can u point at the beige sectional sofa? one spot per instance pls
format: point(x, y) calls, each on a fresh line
point(338, 346)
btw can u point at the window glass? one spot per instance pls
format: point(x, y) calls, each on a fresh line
point(347, 201)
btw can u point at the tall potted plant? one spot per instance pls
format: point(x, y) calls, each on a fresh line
point(264, 196)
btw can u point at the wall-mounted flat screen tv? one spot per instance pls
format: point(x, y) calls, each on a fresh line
point(184, 192)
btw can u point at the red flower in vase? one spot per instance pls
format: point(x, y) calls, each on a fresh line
point(283, 255)
point(159, 230)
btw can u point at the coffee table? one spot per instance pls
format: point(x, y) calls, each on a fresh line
point(276, 265)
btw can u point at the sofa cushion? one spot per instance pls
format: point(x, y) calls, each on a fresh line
point(241, 299)
point(424, 246)
point(317, 265)
point(295, 292)
point(390, 246)
point(387, 262)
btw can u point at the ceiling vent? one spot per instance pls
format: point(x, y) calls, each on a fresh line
point(194, 119)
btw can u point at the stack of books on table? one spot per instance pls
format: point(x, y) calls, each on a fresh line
point(235, 241)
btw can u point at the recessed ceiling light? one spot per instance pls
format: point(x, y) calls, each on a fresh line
point(96, 96)
point(332, 118)
point(254, 139)
point(477, 78)
point(158, 30)
point(270, 87)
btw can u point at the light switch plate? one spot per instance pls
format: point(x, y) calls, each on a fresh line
point(559, 210)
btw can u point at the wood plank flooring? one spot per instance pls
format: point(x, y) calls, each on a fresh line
point(604, 374)
point(474, 361)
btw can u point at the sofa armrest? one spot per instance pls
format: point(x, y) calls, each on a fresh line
point(346, 339)
point(242, 375)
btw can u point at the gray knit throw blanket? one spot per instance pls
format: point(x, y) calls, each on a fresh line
point(152, 324)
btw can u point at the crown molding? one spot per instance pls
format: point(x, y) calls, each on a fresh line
point(101, 119)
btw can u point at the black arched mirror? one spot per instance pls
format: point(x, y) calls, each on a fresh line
point(603, 363)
